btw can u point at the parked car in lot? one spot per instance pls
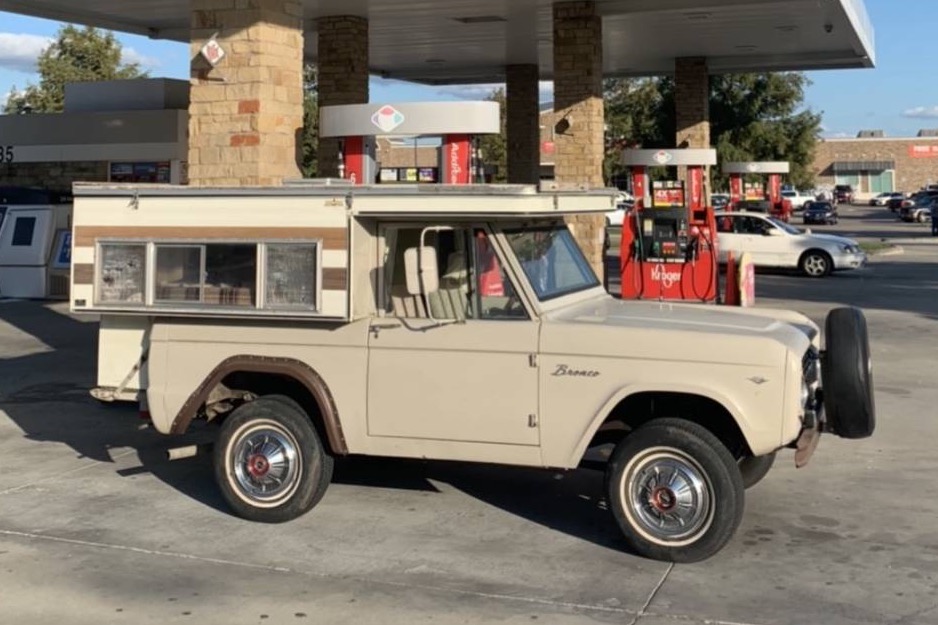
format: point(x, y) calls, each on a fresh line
point(719, 200)
point(883, 198)
point(798, 199)
point(895, 203)
point(919, 212)
point(843, 194)
point(820, 213)
point(773, 243)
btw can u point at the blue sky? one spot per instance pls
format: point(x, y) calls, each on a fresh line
point(900, 96)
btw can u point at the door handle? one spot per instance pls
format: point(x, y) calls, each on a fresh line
point(377, 327)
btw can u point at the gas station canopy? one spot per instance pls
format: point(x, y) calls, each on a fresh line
point(463, 41)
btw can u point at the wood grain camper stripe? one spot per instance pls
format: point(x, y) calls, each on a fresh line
point(332, 238)
point(83, 274)
point(334, 278)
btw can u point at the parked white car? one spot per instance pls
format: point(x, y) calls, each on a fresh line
point(797, 198)
point(772, 243)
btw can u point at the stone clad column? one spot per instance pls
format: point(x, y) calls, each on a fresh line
point(245, 113)
point(523, 124)
point(692, 108)
point(578, 106)
point(343, 75)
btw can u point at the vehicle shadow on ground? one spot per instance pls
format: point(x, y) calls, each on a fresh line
point(571, 502)
point(46, 395)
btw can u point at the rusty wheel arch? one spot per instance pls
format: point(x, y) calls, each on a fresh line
point(289, 367)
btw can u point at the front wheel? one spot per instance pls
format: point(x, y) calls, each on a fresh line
point(675, 491)
point(816, 264)
point(270, 464)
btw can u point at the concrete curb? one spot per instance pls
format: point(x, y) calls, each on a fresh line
point(895, 250)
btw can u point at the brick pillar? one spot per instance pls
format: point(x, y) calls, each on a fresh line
point(343, 75)
point(578, 106)
point(523, 124)
point(245, 113)
point(692, 104)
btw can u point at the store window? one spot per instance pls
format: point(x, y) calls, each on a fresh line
point(157, 172)
point(882, 182)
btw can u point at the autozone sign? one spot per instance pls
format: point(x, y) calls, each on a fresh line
point(923, 151)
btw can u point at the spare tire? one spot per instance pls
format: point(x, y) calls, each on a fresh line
point(847, 373)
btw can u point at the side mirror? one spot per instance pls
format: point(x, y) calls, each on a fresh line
point(422, 271)
point(773, 232)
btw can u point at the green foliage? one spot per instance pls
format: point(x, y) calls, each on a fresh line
point(752, 117)
point(309, 141)
point(494, 150)
point(76, 55)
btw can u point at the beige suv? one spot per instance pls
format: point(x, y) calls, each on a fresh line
point(454, 324)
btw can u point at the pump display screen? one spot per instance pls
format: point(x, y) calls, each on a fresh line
point(668, 195)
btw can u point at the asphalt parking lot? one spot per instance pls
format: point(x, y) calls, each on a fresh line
point(96, 527)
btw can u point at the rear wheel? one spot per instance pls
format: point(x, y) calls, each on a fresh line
point(270, 464)
point(816, 264)
point(675, 491)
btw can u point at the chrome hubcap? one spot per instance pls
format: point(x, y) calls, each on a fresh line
point(266, 464)
point(669, 497)
point(815, 265)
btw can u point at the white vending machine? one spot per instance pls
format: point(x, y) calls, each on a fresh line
point(35, 243)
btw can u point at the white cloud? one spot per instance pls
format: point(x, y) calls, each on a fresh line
point(921, 112)
point(18, 51)
point(130, 55)
point(480, 92)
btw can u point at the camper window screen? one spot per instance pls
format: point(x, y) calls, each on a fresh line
point(291, 275)
point(123, 273)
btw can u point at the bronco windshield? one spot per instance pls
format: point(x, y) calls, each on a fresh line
point(552, 261)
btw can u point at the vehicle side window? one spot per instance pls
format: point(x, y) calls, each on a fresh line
point(725, 224)
point(495, 296)
point(751, 225)
point(473, 284)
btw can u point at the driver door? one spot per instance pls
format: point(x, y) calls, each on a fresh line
point(456, 365)
point(749, 235)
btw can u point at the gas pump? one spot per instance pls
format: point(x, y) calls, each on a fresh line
point(458, 124)
point(779, 206)
point(669, 247)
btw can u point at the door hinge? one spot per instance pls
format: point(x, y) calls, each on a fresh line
point(532, 420)
point(532, 360)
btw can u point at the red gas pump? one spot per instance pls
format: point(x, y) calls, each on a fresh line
point(780, 208)
point(669, 249)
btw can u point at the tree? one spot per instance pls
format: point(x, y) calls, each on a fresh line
point(752, 117)
point(309, 139)
point(76, 55)
point(761, 117)
point(494, 147)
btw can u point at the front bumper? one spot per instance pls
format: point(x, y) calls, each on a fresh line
point(846, 260)
point(807, 441)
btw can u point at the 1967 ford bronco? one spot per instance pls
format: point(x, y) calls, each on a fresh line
point(312, 322)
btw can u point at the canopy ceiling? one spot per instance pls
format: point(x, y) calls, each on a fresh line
point(466, 41)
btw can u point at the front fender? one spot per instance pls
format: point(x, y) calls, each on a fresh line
point(688, 389)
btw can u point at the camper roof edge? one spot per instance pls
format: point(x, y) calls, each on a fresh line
point(417, 200)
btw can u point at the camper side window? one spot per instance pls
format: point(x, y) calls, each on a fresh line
point(268, 275)
point(290, 277)
point(123, 268)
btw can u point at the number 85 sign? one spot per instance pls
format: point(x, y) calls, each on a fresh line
point(6, 153)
